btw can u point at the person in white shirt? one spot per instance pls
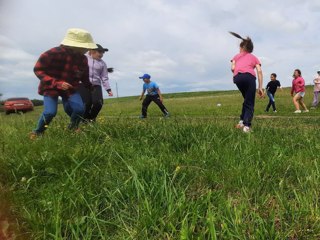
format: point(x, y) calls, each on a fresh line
point(316, 90)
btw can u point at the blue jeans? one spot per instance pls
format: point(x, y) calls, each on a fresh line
point(271, 101)
point(72, 105)
point(246, 83)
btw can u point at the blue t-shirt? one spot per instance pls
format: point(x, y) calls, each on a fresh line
point(151, 88)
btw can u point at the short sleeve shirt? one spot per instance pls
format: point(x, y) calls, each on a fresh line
point(245, 63)
point(151, 88)
point(273, 85)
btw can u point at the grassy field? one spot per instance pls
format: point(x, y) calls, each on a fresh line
point(192, 176)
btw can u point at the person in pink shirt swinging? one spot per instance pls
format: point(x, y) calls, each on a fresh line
point(243, 66)
point(298, 91)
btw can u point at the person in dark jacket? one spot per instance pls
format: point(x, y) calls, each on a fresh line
point(271, 89)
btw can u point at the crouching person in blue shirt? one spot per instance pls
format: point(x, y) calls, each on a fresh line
point(153, 95)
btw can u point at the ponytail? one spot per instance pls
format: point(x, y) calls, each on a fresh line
point(246, 43)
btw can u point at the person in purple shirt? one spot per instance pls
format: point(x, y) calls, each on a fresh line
point(316, 91)
point(243, 65)
point(98, 75)
point(153, 95)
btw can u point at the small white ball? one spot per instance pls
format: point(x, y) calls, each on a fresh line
point(218, 104)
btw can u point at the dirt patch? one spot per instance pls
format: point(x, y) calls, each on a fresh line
point(10, 223)
point(7, 228)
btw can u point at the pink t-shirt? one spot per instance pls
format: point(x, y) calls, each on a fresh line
point(298, 85)
point(245, 63)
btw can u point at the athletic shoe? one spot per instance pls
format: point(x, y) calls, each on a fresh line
point(167, 115)
point(274, 111)
point(306, 111)
point(246, 129)
point(34, 135)
point(297, 111)
point(240, 124)
point(89, 121)
point(142, 117)
point(77, 130)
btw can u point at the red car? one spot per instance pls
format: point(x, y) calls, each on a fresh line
point(18, 105)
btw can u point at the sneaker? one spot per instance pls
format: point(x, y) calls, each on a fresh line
point(297, 111)
point(274, 111)
point(312, 108)
point(77, 130)
point(246, 129)
point(88, 121)
point(167, 115)
point(142, 117)
point(305, 111)
point(240, 124)
point(34, 135)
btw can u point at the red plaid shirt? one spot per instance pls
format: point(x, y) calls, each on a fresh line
point(59, 65)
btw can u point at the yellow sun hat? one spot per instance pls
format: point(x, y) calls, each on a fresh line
point(77, 37)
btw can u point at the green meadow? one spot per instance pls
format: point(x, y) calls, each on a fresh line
point(191, 176)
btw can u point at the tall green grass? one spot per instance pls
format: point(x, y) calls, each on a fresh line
point(192, 176)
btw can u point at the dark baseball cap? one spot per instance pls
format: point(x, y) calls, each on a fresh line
point(101, 49)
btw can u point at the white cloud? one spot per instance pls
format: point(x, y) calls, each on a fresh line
point(183, 44)
point(314, 5)
point(276, 21)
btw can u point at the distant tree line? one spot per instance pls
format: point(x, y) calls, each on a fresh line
point(37, 102)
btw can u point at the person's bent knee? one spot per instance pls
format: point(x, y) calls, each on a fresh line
point(77, 108)
point(49, 115)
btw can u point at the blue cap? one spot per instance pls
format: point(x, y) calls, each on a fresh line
point(146, 75)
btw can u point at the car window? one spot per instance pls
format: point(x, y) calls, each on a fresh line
point(17, 99)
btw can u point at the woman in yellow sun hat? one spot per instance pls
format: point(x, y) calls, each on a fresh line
point(60, 70)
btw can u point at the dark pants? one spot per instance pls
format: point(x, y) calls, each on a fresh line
point(271, 101)
point(93, 101)
point(146, 102)
point(246, 83)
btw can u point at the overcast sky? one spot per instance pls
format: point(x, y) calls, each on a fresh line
point(183, 44)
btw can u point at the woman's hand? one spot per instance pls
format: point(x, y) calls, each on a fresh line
point(260, 92)
point(66, 86)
